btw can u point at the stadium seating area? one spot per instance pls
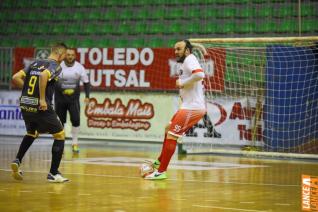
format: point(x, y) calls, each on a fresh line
point(153, 23)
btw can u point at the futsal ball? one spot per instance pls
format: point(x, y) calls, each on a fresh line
point(146, 169)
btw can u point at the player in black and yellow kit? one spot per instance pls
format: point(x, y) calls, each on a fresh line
point(38, 83)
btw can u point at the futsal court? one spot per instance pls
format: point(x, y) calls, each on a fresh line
point(104, 176)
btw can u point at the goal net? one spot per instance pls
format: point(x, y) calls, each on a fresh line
point(262, 95)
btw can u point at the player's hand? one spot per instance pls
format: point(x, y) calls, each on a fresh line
point(178, 84)
point(43, 105)
point(86, 101)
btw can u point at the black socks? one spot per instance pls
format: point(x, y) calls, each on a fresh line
point(24, 146)
point(57, 153)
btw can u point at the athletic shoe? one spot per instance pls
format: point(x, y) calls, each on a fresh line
point(156, 164)
point(75, 148)
point(16, 172)
point(156, 176)
point(58, 178)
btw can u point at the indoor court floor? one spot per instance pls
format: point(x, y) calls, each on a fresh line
point(104, 176)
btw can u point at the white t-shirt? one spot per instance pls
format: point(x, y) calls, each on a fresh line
point(71, 76)
point(192, 97)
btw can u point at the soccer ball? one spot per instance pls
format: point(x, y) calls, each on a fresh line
point(146, 169)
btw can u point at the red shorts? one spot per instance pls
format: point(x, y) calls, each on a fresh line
point(183, 120)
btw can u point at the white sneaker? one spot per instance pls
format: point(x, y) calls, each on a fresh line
point(156, 176)
point(16, 171)
point(58, 178)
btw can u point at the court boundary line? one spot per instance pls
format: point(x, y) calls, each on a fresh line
point(169, 179)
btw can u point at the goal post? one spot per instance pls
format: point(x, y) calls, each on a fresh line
point(262, 94)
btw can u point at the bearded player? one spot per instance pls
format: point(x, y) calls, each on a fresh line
point(193, 106)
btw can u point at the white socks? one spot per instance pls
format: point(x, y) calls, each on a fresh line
point(74, 132)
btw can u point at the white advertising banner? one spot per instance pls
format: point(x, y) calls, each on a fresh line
point(113, 116)
point(234, 123)
point(127, 116)
point(11, 121)
point(142, 117)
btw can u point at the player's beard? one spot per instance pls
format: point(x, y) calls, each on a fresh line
point(69, 64)
point(181, 59)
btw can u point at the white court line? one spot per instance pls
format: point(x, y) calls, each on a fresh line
point(169, 179)
point(285, 204)
point(25, 191)
point(183, 165)
point(247, 202)
point(233, 209)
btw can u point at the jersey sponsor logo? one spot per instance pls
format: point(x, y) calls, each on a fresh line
point(29, 100)
point(29, 109)
point(35, 73)
point(68, 92)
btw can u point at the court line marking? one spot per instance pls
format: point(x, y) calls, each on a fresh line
point(169, 179)
point(234, 209)
point(175, 164)
point(286, 204)
point(145, 197)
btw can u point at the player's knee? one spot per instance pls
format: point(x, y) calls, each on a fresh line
point(59, 136)
point(172, 137)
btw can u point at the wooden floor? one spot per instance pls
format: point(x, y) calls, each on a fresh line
point(106, 178)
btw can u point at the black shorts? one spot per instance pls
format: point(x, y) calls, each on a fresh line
point(73, 106)
point(42, 122)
